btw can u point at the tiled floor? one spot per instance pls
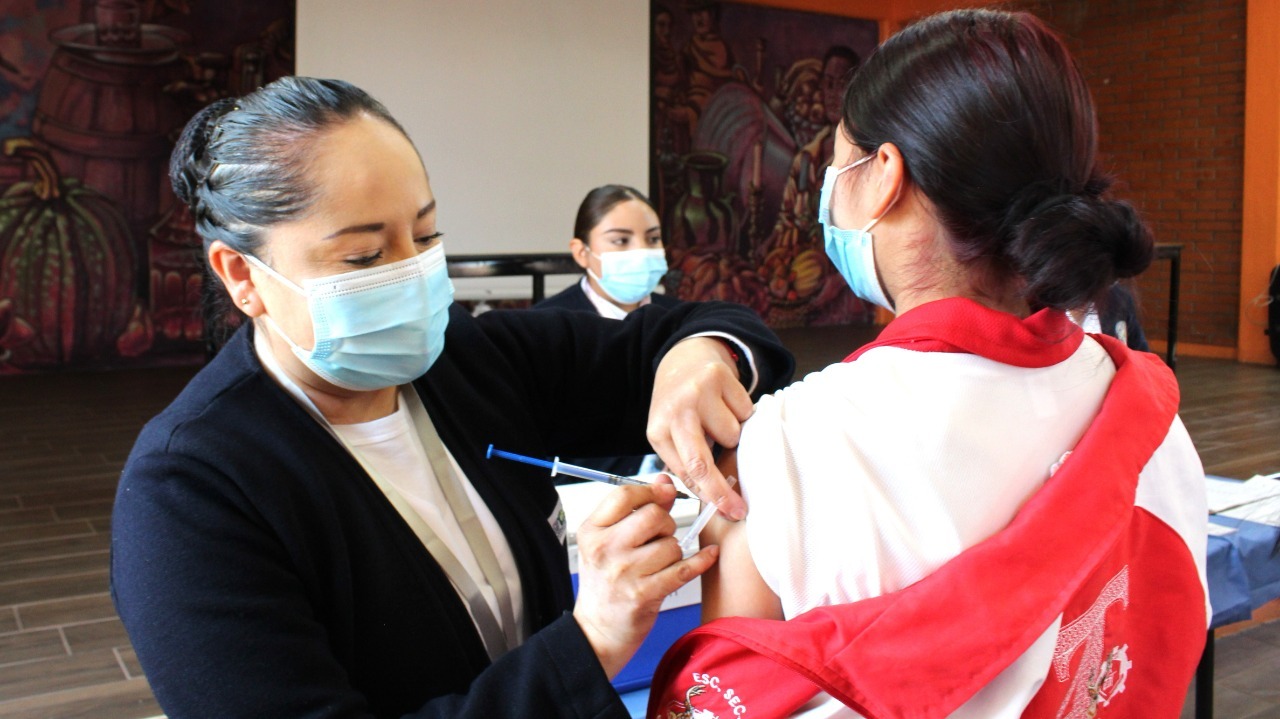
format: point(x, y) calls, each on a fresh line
point(63, 439)
point(1247, 675)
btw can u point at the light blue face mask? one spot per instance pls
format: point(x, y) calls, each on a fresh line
point(377, 327)
point(631, 275)
point(851, 251)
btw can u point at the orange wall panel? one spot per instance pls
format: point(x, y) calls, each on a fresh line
point(1260, 243)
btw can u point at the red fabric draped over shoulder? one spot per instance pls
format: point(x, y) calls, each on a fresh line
point(1125, 583)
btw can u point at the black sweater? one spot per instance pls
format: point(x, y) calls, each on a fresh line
point(574, 298)
point(260, 572)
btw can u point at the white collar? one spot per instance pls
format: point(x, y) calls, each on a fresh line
point(604, 307)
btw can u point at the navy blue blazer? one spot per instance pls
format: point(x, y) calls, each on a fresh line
point(260, 572)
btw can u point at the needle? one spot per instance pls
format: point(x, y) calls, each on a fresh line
point(573, 470)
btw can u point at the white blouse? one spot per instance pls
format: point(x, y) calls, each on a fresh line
point(867, 476)
point(392, 448)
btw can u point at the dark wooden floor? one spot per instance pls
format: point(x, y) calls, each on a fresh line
point(63, 439)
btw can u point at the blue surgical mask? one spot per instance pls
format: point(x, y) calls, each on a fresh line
point(851, 251)
point(631, 275)
point(377, 327)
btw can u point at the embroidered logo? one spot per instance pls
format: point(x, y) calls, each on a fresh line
point(718, 695)
point(1100, 676)
point(686, 710)
point(559, 523)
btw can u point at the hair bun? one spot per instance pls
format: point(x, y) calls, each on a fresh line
point(189, 165)
point(1070, 249)
point(1134, 247)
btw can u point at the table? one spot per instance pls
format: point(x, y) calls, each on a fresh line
point(536, 266)
point(1173, 253)
point(1244, 574)
point(681, 611)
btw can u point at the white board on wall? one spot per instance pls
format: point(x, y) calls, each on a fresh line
point(518, 107)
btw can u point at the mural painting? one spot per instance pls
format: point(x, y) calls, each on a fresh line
point(745, 99)
point(100, 266)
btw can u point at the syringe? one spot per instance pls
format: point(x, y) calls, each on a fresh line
point(573, 470)
point(690, 539)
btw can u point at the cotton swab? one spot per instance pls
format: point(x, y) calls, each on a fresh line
point(690, 539)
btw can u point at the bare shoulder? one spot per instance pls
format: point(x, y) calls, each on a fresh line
point(734, 587)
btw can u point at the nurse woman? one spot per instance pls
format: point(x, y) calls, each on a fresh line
point(311, 529)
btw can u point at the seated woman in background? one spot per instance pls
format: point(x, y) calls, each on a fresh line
point(1116, 315)
point(985, 512)
point(617, 240)
point(311, 529)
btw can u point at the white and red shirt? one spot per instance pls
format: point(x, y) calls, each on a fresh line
point(902, 508)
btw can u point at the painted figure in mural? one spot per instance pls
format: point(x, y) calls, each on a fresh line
point(1008, 507)
point(739, 213)
point(798, 99)
point(617, 241)
point(791, 258)
point(800, 198)
point(706, 64)
point(312, 527)
point(666, 70)
point(708, 60)
point(671, 116)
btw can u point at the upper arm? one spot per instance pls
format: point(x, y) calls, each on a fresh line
point(733, 586)
point(191, 569)
point(590, 379)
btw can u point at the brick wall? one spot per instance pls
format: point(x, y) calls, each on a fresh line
point(1168, 80)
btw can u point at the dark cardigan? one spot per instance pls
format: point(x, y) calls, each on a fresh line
point(573, 298)
point(260, 572)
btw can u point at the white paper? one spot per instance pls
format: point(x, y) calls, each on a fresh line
point(1228, 494)
point(1262, 511)
point(581, 499)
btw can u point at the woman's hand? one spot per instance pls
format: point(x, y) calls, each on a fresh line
point(628, 562)
point(697, 395)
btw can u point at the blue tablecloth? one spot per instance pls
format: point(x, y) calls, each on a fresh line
point(1244, 569)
